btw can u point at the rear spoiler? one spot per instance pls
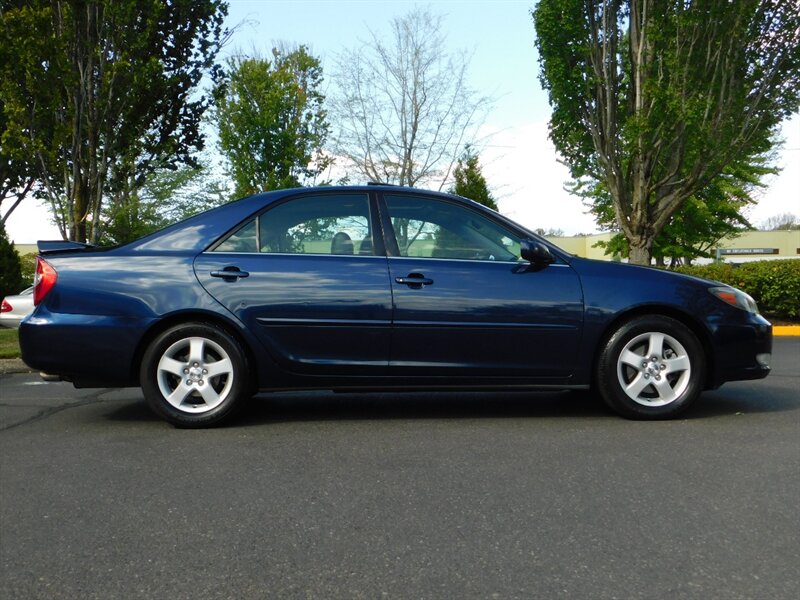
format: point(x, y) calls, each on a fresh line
point(48, 246)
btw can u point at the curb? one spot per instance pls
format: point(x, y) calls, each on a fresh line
point(13, 365)
point(786, 330)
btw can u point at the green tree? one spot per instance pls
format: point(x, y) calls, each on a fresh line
point(100, 92)
point(694, 231)
point(654, 100)
point(10, 270)
point(17, 178)
point(29, 113)
point(271, 120)
point(469, 180)
point(166, 196)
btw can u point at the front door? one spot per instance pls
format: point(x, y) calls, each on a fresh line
point(466, 305)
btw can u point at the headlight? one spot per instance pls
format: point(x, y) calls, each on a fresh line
point(735, 298)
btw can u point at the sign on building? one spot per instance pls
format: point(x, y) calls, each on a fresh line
point(745, 251)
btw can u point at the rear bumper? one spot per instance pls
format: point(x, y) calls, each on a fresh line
point(88, 350)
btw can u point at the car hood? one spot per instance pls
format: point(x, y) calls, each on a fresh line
point(637, 272)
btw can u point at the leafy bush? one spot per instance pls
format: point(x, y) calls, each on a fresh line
point(774, 284)
point(27, 264)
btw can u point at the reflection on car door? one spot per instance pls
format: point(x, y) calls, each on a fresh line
point(309, 283)
point(465, 305)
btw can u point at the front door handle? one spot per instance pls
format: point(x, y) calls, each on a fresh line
point(230, 274)
point(414, 280)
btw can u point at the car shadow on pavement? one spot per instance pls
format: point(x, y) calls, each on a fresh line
point(418, 405)
point(326, 406)
point(132, 412)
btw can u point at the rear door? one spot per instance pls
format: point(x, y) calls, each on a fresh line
point(310, 278)
point(464, 302)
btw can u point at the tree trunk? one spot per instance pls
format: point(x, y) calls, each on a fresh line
point(20, 197)
point(640, 251)
point(80, 209)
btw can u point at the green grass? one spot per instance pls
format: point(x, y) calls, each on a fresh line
point(9, 343)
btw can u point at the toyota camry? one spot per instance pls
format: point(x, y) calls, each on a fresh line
point(377, 287)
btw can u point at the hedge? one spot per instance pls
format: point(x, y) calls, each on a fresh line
point(773, 284)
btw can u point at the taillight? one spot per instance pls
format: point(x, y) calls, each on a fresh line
point(5, 306)
point(43, 281)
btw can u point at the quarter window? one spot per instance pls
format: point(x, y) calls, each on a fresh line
point(243, 240)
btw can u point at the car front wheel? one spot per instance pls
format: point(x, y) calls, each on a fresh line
point(651, 368)
point(194, 375)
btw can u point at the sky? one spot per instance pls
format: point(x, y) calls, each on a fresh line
point(518, 160)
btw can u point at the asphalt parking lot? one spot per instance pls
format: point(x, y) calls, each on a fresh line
point(402, 496)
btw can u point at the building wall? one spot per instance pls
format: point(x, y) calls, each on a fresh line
point(787, 244)
point(583, 245)
point(24, 249)
point(746, 245)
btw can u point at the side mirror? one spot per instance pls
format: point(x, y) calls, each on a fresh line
point(535, 253)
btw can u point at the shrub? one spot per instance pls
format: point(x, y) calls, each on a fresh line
point(773, 284)
point(10, 274)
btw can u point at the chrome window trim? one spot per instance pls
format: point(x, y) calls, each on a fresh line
point(473, 260)
point(218, 253)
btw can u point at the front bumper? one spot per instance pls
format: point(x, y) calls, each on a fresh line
point(741, 351)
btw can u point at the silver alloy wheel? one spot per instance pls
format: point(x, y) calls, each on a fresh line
point(654, 369)
point(195, 375)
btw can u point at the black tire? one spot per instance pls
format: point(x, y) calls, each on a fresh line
point(195, 375)
point(651, 367)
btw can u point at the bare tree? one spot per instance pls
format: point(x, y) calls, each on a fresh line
point(402, 104)
point(782, 222)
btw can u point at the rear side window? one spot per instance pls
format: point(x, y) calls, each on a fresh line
point(325, 224)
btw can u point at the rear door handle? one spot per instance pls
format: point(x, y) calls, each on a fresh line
point(230, 274)
point(414, 280)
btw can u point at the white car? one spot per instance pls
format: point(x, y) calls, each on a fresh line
point(15, 308)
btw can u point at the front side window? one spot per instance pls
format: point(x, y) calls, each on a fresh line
point(324, 224)
point(427, 228)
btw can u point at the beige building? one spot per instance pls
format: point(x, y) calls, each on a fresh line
point(24, 249)
point(747, 246)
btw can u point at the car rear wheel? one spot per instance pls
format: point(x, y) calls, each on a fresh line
point(651, 368)
point(194, 375)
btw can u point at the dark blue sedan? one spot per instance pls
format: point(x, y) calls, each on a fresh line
point(358, 288)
